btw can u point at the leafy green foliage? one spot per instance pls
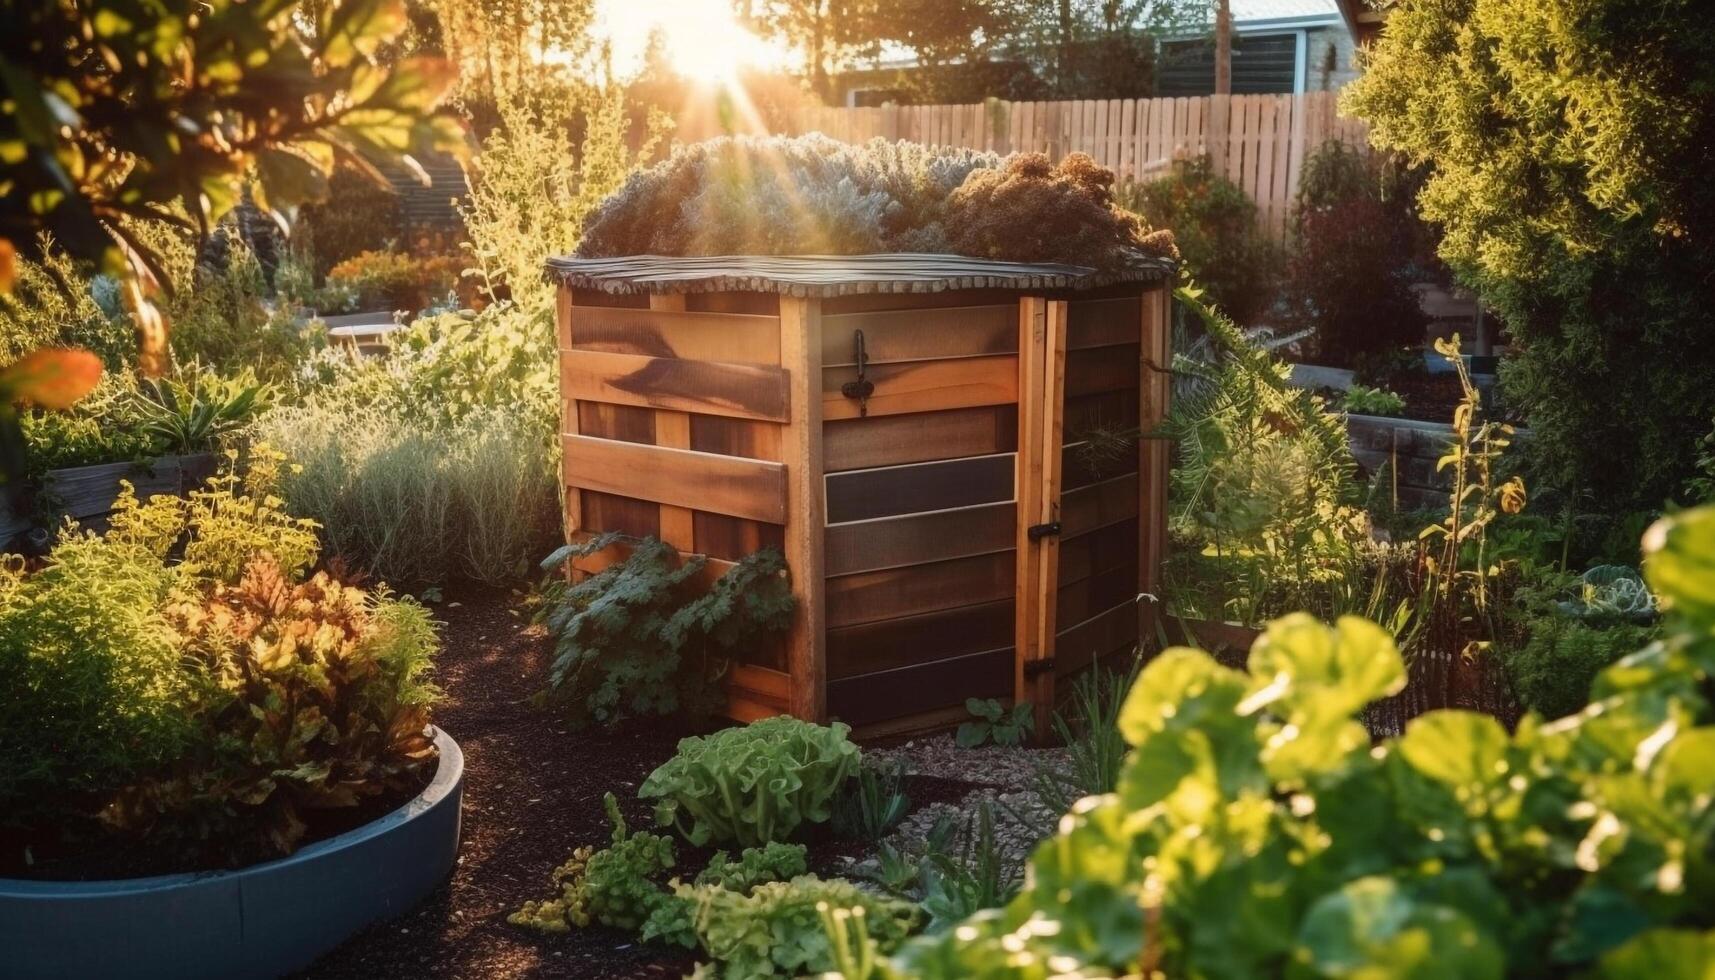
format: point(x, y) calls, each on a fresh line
point(645, 637)
point(388, 280)
point(871, 802)
point(671, 921)
point(776, 930)
point(52, 305)
point(189, 414)
point(1214, 223)
point(1563, 141)
point(993, 721)
point(210, 700)
point(1611, 592)
point(1256, 831)
point(814, 195)
point(1089, 730)
point(1357, 249)
point(752, 784)
point(1364, 400)
point(1552, 669)
point(961, 870)
point(610, 887)
point(122, 111)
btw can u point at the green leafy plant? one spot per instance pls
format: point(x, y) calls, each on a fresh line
point(1364, 400)
point(993, 721)
point(189, 414)
point(1089, 730)
point(1611, 592)
point(1552, 668)
point(871, 802)
point(962, 874)
point(1258, 831)
point(645, 636)
point(753, 784)
point(776, 929)
point(612, 887)
point(672, 921)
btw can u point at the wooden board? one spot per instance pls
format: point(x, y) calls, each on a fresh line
point(891, 643)
point(725, 337)
point(1101, 322)
point(860, 495)
point(916, 539)
point(1099, 369)
point(1078, 601)
point(622, 422)
point(736, 437)
point(685, 478)
point(1080, 643)
point(757, 692)
point(747, 391)
point(1097, 551)
point(924, 386)
point(801, 444)
point(869, 698)
point(1154, 389)
point(871, 596)
point(889, 440)
point(1099, 505)
point(609, 512)
point(732, 538)
point(920, 334)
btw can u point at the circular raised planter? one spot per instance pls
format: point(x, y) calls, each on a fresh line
point(262, 921)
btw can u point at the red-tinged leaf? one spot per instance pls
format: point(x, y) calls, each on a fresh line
point(52, 378)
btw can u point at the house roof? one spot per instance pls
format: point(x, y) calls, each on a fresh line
point(1249, 10)
point(836, 275)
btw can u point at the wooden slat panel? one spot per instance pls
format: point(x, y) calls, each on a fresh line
point(726, 337)
point(622, 422)
point(921, 334)
point(871, 596)
point(914, 639)
point(1103, 633)
point(1099, 505)
point(1101, 369)
point(736, 437)
point(925, 386)
point(1103, 410)
point(749, 391)
point(1040, 689)
point(732, 538)
point(876, 302)
point(916, 437)
point(761, 684)
point(721, 484)
point(861, 495)
point(1078, 601)
point(1081, 467)
point(916, 539)
point(1101, 322)
point(610, 512)
point(1097, 551)
point(911, 690)
point(712, 570)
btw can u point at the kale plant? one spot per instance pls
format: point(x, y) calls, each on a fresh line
point(643, 637)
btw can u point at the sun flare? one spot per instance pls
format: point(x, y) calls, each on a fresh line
point(702, 39)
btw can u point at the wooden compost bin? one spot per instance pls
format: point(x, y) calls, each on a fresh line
point(944, 538)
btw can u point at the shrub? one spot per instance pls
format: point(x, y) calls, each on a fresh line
point(646, 636)
point(1364, 400)
point(1257, 831)
point(358, 216)
point(1529, 116)
point(753, 784)
point(51, 304)
point(1354, 257)
point(814, 195)
point(395, 280)
point(226, 321)
point(1214, 224)
point(1551, 671)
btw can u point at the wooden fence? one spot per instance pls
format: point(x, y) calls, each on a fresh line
point(1258, 141)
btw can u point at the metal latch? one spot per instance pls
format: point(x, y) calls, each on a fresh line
point(1036, 532)
point(862, 388)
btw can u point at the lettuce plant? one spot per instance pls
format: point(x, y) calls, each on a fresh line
point(776, 930)
point(754, 784)
point(1257, 831)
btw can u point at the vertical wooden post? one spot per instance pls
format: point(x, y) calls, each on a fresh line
point(573, 498)
point(673, 429)
point(801, 448)
point(1042, 374)
point(1155, 388)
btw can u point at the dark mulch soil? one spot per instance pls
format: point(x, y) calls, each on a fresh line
point(533, 791)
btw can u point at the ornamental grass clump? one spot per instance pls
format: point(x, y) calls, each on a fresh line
point(812, 195)
point(754, 784)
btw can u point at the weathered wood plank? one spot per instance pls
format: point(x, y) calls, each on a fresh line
point(570, 417)
point(1155, 387)
point(861, 495)
point(729, 337)
point(748, 391)
point(1099, 369)
point(623, 422)
point(890, 440)
point(628, 516)
point(911, 690)
point(1032, 464)
point(1099, 505)
point(801, 443)
point(916, 539)
point(1041, 686)
point(736, 437)
point(925, 386)
point(871, 596)
point(920, 334)
point(732, 538)
point(721, 484)
point(890, 643)
point(1082, 642)
point(1101, 322)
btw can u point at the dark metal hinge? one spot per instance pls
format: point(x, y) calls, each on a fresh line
point(1037, 532)
point(1041, 666)
point(862, 388)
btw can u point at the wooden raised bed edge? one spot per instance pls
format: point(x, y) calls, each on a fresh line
point(87, 493)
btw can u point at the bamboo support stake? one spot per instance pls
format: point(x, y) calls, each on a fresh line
point(801, 447)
